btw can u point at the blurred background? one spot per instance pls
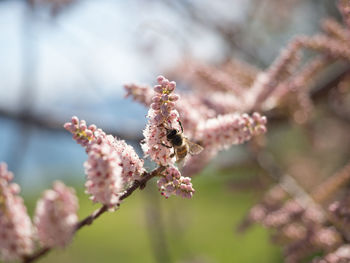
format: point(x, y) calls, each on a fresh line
point(61, 58)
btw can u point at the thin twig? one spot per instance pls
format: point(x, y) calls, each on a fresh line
point(91, 218)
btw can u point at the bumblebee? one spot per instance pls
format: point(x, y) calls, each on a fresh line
point(182, 146)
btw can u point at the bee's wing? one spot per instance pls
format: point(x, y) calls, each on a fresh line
point(193, 148)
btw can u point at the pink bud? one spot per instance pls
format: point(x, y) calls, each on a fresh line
point(92, 127)
point(171, 105)
point(14, 188)
point(158, 89)
point(186, 180)
point(89, 133)
point(75, 120)
point(172, 85)
point(174, 97)
point(83, 126)
point(156, 99)
point(155, 106)
point(165, 82)
point(67, 125)
point(160, 79)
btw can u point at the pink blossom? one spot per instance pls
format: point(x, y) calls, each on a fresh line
point(225, 130)
point(281, 69)
point(192, 111)
point(342, 254)
point(162, 116)
point(326, 237)
point(172, 183)
point(191, 107)
point(56, 216)
point(16, 229)
point(104, 174)
point(132, 165)
point(140, 93)
point(83, 134)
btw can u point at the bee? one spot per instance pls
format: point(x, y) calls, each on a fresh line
point(182, 146)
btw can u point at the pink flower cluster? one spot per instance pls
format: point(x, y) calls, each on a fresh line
point(16, 228)
point(226, 130)
point(112, 164)
point(132, 165)
point(164, 101)
point(82, 134)
point(191, 108)
point(341, 255)
point(207, 119)
point(303, 225)
point(172, 183)
point(162, 116)
point(140, 93)
point(56, 216)
point(104, 174)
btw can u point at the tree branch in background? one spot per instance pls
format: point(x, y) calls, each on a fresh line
point(53, 123)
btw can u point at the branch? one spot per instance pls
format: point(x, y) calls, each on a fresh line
point(91, 218)
point(53, 124)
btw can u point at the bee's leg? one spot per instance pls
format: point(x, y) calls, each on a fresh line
point(166, 145)
point(182, 129)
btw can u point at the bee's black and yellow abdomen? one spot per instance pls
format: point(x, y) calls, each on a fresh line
point(181, 152)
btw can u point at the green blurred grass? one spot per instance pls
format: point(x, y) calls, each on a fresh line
point(202, 228)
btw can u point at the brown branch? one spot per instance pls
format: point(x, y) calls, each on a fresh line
point(91, 218)
point(53, 124)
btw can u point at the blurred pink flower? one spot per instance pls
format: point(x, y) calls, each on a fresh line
point(56, 216)
point(16, 231)
point(140, 93)
point(225, 130)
